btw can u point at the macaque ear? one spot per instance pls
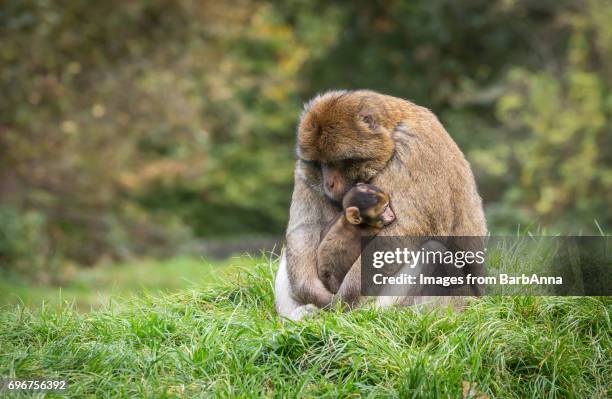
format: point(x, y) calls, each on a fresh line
point(352, 215)
point(368, 119)
point(366, 115)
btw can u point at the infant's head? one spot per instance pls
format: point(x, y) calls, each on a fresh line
point(368, 205)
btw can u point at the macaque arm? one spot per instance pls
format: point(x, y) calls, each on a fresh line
point(325, 249)
point(350, 289)
point(307, 216)
point(332, 259)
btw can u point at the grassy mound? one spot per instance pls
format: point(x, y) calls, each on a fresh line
point(228, 341)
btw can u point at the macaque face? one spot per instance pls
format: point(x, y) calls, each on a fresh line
point(344, 140)
point(381, 215)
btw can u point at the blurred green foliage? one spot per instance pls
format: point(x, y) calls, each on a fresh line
point(127, 127)
point(100, 286)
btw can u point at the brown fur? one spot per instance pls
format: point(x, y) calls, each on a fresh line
point(338, 250)
point(392, 143)
point(341, 240)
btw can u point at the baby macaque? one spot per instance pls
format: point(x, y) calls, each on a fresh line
point(366, 210)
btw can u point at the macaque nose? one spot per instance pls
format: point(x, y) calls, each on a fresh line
point(330, 185)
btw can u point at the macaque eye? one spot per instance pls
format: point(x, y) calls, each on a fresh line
point(350, 163)
point(311, 163)
point(368, 120)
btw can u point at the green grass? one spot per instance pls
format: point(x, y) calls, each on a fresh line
point(94, 287)
point(226, 340)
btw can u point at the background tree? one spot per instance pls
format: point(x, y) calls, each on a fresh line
point(126, 128)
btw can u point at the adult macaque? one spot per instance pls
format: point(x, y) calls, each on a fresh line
point(366, 210)
point(346, 137)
